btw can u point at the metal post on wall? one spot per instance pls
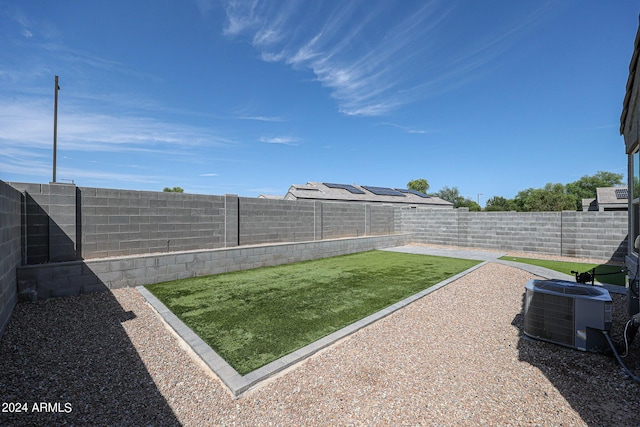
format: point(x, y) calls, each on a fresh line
point(55, 127)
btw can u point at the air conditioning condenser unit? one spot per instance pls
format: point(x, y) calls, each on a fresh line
point(567, 313)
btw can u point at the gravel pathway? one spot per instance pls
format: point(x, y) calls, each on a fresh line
point(456, 357)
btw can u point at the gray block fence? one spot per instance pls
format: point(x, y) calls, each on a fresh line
point(10, 250)
point(599, 235)
point(57, 237)
point(67, 223)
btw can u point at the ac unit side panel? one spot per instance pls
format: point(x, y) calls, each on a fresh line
point(550, 317)
point(592, 317)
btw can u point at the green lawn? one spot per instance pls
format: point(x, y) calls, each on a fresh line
point(253, 317)
point(568, 267)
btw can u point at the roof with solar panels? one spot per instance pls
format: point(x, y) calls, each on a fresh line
point(608, 199)
point(363, 193)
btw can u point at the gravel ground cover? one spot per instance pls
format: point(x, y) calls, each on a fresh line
point(456, 357)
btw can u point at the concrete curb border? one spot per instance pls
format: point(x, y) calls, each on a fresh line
point(239, 384)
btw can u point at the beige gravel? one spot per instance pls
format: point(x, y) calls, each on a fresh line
point(454, 358)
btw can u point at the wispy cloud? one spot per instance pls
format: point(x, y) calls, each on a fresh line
point(209, 174)
point(108, 176)
point(286, 140)
point(240, 15)
point(251, 113)
point(600, 127)
point(373, 59)
point(27, 134)
point(28, 123)
point(261, 118)
point(113, 126)
point(205, 6)
point(407, 129)
point(16, 15)
point(42, 51)
point(42, 168)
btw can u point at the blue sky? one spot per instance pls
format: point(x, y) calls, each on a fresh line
point(249, 97)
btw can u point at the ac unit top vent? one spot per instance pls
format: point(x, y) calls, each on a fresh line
point(561, 287)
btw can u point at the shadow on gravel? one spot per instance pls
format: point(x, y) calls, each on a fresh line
point(69, 361)
point(593, 384)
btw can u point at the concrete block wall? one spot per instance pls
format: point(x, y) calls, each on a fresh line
point(430, 225)
point(63, 236)
point(10, 250)
point(601, 235)
point(381, 220)
point(76, 277)
point(124, 222)
point(65, 222)
point(343, 219)
point(37, 229)
point(267, 221)
point(52, 225)
point(272, 221)
point(231, 221)
point(515, 231)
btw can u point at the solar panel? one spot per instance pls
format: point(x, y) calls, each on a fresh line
point(349, 188)
point(417, 193)
point(622, 193)
point(383, 191)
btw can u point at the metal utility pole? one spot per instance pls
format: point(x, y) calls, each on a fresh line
point(55, 128)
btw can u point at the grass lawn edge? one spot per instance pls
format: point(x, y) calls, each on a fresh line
point(565, 267)
point(238, 384)
point(252, 317)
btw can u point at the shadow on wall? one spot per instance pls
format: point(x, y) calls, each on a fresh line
point(619, 255)
point(47, 242)
point(593, 384)
point(70, 361)
point(45, 239)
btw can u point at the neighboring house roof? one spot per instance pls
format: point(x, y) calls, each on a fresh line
point(608, 199)
point(363, 193)
point(589, 205)
point(270, 197)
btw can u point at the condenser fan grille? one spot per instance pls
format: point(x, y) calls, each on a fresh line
point(550, 317)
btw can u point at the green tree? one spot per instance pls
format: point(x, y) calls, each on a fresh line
point(420, 185)
point(449, 194)
point(498, 203)
point(173, 190)
point(464, 202)
point(553, 197)
point(453, 195)
point(556, 197)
